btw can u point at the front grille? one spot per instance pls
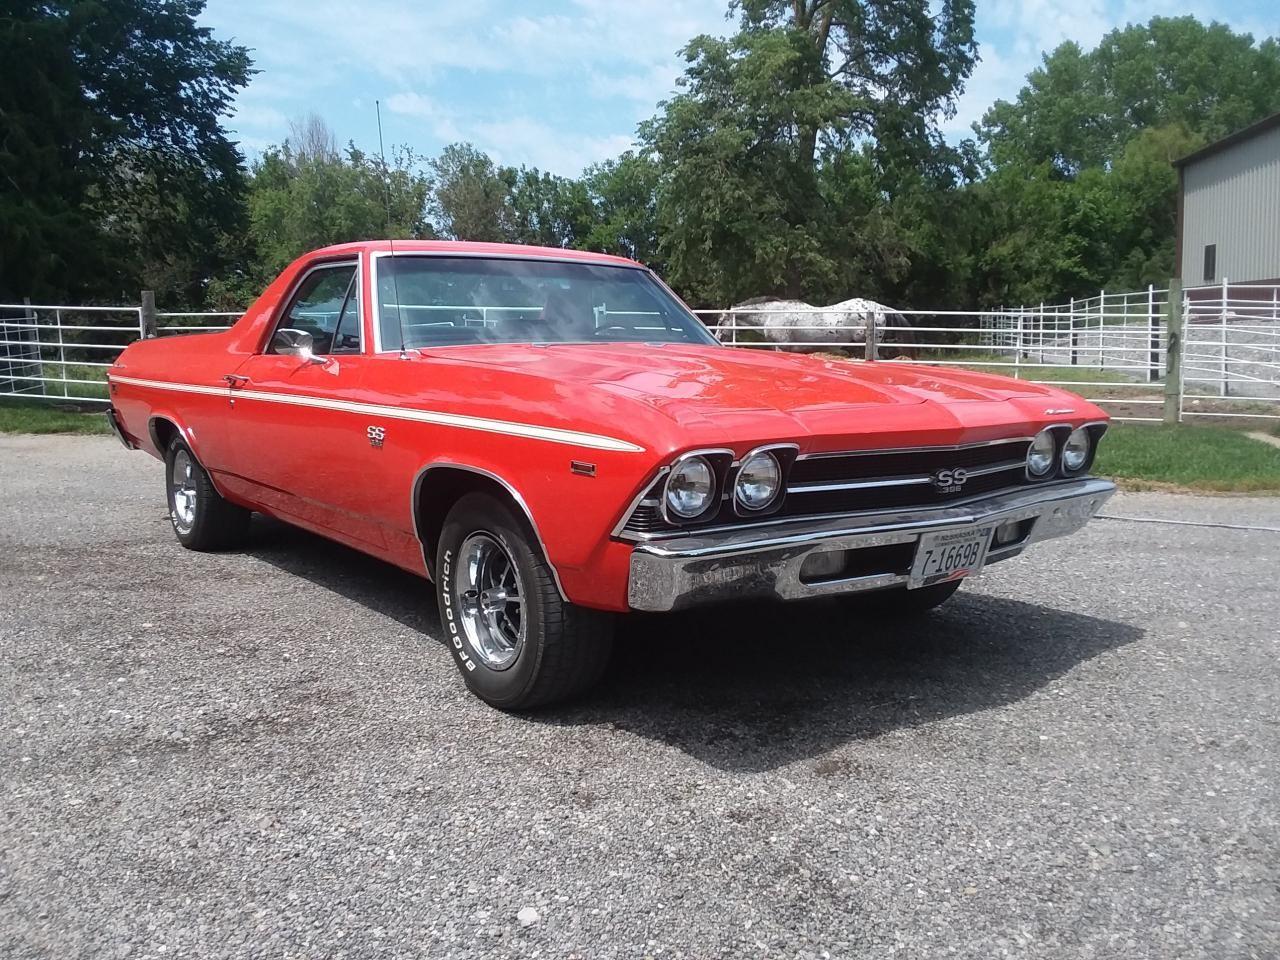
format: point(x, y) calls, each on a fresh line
point(859, 482)
point(898, 463)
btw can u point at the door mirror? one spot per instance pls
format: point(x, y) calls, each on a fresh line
point(294, 343)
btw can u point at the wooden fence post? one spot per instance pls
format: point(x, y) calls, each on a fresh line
point(870, 337)
point(147, 316)
point(1173, 355)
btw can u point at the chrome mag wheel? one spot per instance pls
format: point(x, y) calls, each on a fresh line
point(491, 601)
point(182, 490)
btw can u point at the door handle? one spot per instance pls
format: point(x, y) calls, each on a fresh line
point(235, 380)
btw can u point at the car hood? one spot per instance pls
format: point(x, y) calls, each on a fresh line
point(682, 378)
point(714, 391)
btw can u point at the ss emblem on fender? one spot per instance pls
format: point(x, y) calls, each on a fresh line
point(376, 436)
point(950, 481)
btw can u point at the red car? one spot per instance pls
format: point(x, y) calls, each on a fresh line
point(552, 437)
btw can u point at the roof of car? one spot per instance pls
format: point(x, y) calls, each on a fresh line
point(473, 249)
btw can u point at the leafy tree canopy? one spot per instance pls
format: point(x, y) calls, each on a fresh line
point(113, 163)
point(743, 147)
point(1079, 109)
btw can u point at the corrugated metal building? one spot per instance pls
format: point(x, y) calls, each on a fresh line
point(1229, 209)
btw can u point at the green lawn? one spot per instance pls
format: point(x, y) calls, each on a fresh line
point(1185, 455)
point(76, 371)
point(47, 416)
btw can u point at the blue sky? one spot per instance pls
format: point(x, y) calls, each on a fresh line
point(559, 85)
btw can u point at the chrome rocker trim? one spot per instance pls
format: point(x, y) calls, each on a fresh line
point(688, 571)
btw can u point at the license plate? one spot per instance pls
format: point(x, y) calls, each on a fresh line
point(949, 555)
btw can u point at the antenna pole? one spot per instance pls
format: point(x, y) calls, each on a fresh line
point(395, 283)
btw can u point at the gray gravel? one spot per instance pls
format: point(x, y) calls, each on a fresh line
point(268, 753)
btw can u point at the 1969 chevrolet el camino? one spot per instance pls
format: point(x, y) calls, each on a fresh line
point(552, 437)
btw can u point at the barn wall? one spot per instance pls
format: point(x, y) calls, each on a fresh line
point(1232, 199)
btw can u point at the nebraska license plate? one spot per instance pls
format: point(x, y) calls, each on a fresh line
point(949, 555)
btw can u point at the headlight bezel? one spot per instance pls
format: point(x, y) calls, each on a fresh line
point(784, 455)
point(1067, 469)
point(718, 460)
point(1061, 434)
point(678, 470)
point(1049, 433)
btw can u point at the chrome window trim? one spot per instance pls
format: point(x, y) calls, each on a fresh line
point(376, 255)
point(264, 348)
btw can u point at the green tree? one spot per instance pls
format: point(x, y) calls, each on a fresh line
point(744, 147)
point(1080, 109)
point(547, 210)
point(306, 195)
point(113, 164)
point(471, 199)
point(624, 194)
point(903, 62)
point(1080, 192)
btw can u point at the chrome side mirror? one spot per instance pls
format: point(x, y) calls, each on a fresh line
point(295, 343)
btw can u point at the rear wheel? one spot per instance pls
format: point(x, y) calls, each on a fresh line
point(517, 643)
point(202, 519)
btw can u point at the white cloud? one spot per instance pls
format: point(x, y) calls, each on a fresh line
point(413, 105)
point(512, 140)
point(526, 140)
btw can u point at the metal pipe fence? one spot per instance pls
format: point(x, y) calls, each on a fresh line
point(62, 352)
point(1112, 348)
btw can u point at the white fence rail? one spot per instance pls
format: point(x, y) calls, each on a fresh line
point(1110, 348)
point(62, 352)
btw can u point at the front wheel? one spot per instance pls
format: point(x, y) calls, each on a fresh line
point(517, 643)
point(202, 519)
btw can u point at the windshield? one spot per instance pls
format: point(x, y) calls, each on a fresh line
point(443, 301)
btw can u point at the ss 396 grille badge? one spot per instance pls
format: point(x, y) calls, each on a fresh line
point(950, 481)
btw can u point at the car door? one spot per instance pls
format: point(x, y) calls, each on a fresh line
point(296, 443)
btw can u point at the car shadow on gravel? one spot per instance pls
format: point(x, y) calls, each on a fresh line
point(754, 686)
point(380, 586)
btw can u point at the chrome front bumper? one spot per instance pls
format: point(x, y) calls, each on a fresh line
point(765, 561)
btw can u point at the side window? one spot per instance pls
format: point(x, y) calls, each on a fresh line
point(326, 296)
point(1210, 261)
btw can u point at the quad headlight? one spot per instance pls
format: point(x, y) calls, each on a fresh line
point(1040, 455)
point(759, 481)
point(1075, 452)
point(691, 488)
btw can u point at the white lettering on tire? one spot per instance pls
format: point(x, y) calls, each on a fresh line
point(446, 585)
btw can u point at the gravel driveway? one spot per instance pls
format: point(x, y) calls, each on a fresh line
point(268, 753)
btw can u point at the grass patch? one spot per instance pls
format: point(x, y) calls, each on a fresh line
point(1186, 455)
point(44, 416)
point(1115, 384)
point(76, 371)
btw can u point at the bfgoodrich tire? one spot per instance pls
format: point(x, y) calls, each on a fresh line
point(201, 518)
point(517, 643)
